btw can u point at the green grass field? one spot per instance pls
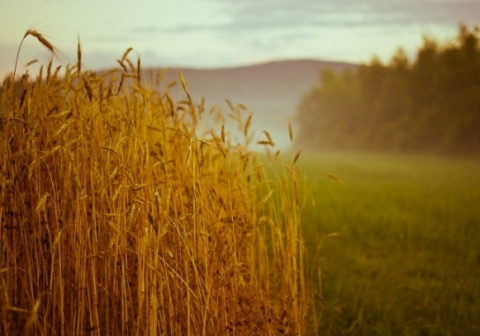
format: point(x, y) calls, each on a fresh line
point(403, 255)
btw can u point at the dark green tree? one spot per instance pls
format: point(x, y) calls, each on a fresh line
point(429, 104)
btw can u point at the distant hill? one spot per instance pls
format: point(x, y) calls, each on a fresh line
point(272, 90)
point(282, 80)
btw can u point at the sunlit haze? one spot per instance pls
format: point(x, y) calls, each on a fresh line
point(214, 33)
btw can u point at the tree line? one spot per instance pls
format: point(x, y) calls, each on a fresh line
point(428, 104)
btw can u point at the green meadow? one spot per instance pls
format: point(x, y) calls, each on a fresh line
point(394, 243)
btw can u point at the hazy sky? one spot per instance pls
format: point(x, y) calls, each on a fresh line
point(211, 33)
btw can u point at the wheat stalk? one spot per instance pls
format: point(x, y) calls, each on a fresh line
point(79, 56)
point(41, 39)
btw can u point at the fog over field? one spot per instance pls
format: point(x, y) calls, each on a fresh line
point(270, 90)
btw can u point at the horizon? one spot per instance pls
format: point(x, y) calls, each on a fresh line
point(211, 34)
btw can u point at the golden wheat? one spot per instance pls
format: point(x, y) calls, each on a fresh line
point(79, 56)
point(41, 39)
point(119, 216)
point(290, 131)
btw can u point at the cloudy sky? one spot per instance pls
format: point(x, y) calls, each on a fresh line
point(219, 33)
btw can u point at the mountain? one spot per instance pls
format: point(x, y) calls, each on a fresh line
point(272, 90)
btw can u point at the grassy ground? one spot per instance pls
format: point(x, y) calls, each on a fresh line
point(405, 259)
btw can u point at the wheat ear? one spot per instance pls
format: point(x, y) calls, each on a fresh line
point(41, 39)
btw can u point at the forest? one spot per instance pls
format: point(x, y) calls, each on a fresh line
point(428, 102)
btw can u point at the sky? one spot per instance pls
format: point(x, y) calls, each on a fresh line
point(224, 33)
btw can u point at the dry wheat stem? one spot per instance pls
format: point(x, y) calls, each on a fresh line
point(79, 57)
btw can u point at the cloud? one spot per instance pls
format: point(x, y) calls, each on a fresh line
point(441, 12)
point(276, 23)
point(254, 14)
point(176, 29)
point(282, 24)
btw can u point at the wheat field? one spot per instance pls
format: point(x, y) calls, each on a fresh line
point(119, 216)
